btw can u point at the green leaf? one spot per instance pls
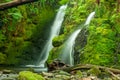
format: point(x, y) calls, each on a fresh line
point(16, 16)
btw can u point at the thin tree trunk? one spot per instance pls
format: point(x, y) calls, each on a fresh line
point(14, 3)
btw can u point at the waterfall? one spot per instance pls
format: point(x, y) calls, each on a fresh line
point(67, 53)
point(91, 15)
point(55, 29)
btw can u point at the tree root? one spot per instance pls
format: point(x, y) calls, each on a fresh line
point(112, 71)
point(115, 76)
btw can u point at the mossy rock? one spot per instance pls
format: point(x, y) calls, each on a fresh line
point(27, 75)
point(53, 54)
point(57, 41)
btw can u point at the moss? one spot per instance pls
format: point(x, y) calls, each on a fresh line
point(54, 54)
point(21, 34)
point(94, 71)
point(2, 58)
point(100, 43)
point(27, 75)
point(101, 39)
point(57, 41)
point(63, 2)
point(79, 73)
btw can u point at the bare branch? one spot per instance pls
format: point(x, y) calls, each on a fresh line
point(14, 3)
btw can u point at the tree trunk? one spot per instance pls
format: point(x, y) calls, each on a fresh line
point(14, 3)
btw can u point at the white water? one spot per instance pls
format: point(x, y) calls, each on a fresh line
point(67, 54)
point(91, 15)
point(55, 29)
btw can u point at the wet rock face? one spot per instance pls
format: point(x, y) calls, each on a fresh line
point(80, 43)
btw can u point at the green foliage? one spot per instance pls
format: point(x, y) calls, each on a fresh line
point(16, 15)
point(27, 75)
point(94, 71)
point(29, 31)
point(2, 58)
point(76, 14)
point(100, 46)
point(2, 36)
point(48, 15)
point(14, 50)
point(26, 27)
point(21, 31)
point(44, 19)
point(79, 73)
point(3, 1)
point(48, 2)
point(57, 41)
point(115, 19)
point(101, 41)
point(63, 2)
point(54, 53)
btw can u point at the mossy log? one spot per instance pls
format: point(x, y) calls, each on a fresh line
point(14, 3)
point(89, 66)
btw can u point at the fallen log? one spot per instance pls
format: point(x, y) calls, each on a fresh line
point(89, 66)
point(14, 3)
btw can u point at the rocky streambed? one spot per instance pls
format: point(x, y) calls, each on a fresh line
point(56, 75)
point(8, 75)
point(79, 72)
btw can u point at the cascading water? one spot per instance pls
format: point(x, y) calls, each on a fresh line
point(91, 15)
point(55, 29)
point(67, 54)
